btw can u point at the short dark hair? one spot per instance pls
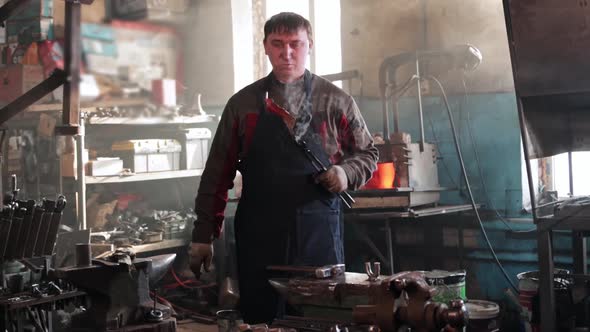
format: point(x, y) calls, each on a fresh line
point(286, 22)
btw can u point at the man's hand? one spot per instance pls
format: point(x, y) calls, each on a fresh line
point(334, 179)
point(200, 254)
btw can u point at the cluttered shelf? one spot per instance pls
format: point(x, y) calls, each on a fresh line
point(144, 176)
point(118, 102)
point(151, 120)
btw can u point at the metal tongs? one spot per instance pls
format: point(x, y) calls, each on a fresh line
point(289, 121)
point(320, 168)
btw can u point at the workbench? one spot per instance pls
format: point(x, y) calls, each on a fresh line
point(391, 215)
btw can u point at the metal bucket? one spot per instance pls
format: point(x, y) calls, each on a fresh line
point(528, 287)
point(448, 285)
point(483, 316)
point(228, 320)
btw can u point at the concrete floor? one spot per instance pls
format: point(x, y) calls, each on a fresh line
point(191, 326)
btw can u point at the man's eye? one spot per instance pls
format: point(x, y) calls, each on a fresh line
point(277, 44)
point(296, 44)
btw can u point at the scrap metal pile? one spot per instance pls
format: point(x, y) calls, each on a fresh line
point(128, 228)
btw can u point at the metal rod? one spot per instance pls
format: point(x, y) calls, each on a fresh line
point(320, 167)
point(420, 110)
point(395, 110)
point(72, 59)
point(81, 178)
point(386, 129)
point(345, 75)
point(389, 240)
point(571, 172)
point(57, 78)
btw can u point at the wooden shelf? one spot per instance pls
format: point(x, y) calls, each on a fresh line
point(144, 176)
point(90, 105)
point(150, 120)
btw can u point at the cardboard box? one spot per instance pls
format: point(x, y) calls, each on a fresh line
point(154, 10)
point(150, 155)
point(93, 13)
point(164, 92)
point(68, 164)
point(196, 147)
point(46, 126)
point(18, 79)
point(29, 30)
point(149, 52)
point(15, 154)
point(98, 39)
point(35, 9)
point(104, 167)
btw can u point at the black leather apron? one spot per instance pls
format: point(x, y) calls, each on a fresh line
point(283, 217)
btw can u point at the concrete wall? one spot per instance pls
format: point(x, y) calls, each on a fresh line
point(375, 29)
point(209, 53)
point(480, 23)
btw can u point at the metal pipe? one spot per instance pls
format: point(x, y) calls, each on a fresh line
point(72, 60)
point(571, 172)
point(420, 110)
point(81, 178)
point(54, 81)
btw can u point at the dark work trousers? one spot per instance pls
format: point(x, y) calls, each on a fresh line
point(283, 217)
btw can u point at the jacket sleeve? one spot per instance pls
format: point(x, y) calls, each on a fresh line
point(217, 178)
point(360, 155)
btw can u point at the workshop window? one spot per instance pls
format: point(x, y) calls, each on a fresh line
point(581, 176)
point(324, 15)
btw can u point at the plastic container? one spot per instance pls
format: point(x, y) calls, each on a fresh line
point(483, 316)
point(448, 285)
point(228, 320)
point(528, 287)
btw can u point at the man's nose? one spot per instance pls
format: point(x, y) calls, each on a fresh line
point(287, 51)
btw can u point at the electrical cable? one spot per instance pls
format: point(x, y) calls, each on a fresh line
point(467, 185)
point(480, 171)
point(184, 283)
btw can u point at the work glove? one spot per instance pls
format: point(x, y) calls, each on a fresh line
point(200, 254)
point(334, 179)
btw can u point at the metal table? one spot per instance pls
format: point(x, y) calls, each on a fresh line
point(387, 215)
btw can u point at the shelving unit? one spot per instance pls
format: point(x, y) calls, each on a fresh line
point(144, 176)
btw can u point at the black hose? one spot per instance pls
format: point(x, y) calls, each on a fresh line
point(467, 185)
point(479, 169)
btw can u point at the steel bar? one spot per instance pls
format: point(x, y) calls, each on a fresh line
point(25, 228)
point(34, 231)
point(72, 58)
point(345, 75)
point(320, 167)
point(420, 108)
point(55, 80)
point(27, 233)
point(15, 226)
point(49, 207)
point(546, 291)
point(80, 176)
point(54, 226)
point(11, 7)
point(5, 223)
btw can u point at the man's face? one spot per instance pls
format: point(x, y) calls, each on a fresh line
point(287, 53)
